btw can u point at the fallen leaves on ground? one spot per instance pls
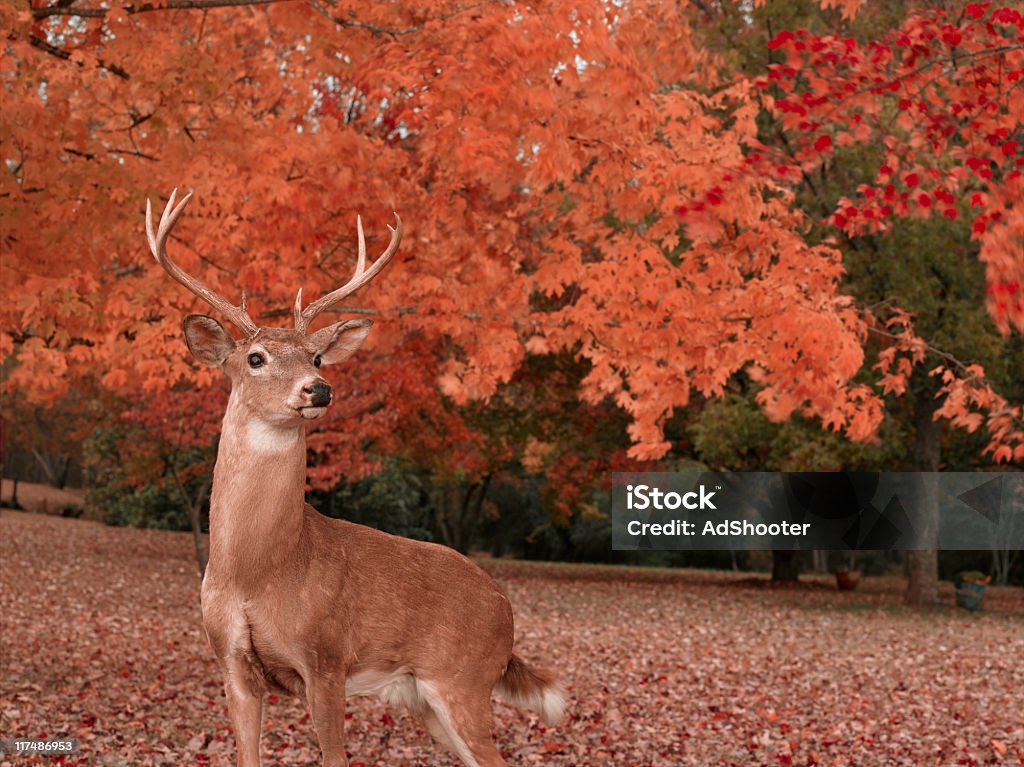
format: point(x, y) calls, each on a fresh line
point(102, 641)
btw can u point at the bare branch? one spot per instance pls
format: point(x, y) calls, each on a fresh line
point(64, 8)
point(53, 50)
point(271, 313)
point(132, 8)
point(378, 31)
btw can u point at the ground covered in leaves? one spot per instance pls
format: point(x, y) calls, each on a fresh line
point(101, 640)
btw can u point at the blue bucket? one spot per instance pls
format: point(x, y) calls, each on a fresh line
point(968, 595)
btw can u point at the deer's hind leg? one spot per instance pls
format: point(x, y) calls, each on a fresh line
point(462, 720)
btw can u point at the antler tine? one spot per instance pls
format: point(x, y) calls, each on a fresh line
point(298, 309)
point(361, 277)
point(237, 315)
point(361, 258)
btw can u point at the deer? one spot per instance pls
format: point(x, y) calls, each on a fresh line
point(297, 603)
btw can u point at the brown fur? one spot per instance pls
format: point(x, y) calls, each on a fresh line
point(298, 603)
point(520, 680)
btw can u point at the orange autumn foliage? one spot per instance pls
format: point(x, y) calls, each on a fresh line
point(572, 177)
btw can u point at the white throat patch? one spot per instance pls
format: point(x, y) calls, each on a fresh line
point(265, 437)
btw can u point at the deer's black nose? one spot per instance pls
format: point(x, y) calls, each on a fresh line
point(321, 394)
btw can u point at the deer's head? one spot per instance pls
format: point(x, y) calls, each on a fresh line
point(274, 372)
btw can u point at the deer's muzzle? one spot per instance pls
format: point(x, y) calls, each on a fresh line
point(320, 394)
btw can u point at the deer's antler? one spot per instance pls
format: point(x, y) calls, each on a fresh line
point(362, 276)
point(237, 315)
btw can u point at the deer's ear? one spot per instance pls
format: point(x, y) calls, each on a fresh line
point(207, 339)
point(339, 341)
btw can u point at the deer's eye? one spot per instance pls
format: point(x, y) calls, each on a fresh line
point(317, 362)
point(255, 360)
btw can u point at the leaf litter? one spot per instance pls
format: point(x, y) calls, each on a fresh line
point(102, 641)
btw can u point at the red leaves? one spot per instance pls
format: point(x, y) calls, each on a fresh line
point(662, 668)
point(966, 399)
point(1009, 16)
point(975, 10)
point(781, 39)
point(948, 125)
point(969, 401)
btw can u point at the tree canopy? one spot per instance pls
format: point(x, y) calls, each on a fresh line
point(580, 180)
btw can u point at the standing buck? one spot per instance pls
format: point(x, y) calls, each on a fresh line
point(297, 603)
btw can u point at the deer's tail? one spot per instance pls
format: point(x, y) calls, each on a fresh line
point(534, 689)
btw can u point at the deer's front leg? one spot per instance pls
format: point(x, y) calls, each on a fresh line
point(245, 707)
point(326, 697)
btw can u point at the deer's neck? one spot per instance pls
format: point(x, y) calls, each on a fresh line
point(258, 495)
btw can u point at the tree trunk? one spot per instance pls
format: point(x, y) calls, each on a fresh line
point(65, 471)
point(1002, 561)
point(819, 560)
point(457, 511)
point(923, 565)
point(195, 510)
point(55, 468)
point(12, 463)
point(442, 499)
point(472, 510)
point(195, 522)
point(785, 566)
